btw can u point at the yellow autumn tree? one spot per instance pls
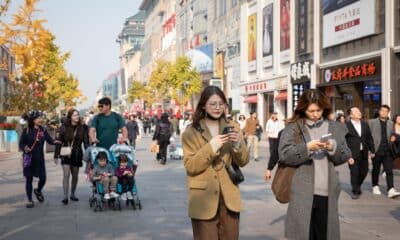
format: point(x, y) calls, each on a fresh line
point(41, 80)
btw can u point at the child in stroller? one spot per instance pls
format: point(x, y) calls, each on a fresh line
point(125, 176)
point(104, 176)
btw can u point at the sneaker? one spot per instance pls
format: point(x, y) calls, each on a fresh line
point(130, 196)
point(392, 193)
point(107, 196)
point(38, 195)
point(114, 195)
point(376, 190)
point(123, 197)
point(30, 204)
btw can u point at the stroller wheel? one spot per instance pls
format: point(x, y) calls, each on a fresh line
point(139, 205)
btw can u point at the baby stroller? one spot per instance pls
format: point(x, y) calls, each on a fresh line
point(116, 151)
point(97, 200)
point(175, 150)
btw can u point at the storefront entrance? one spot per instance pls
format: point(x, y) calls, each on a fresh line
point(365, 95)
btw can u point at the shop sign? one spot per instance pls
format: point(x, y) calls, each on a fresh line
point(300, 71)
point(347, 20)
point(267, 86)
point(256, 87)
point(350, 72)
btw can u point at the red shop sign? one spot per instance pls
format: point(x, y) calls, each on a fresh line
point(350, 72)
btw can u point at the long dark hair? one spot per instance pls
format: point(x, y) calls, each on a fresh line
point(69, 128)
point(200, 112)
point(306, 99)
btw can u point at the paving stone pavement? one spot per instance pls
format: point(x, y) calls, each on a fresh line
point(162, 190)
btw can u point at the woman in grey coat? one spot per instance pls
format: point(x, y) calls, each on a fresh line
point(313, 206)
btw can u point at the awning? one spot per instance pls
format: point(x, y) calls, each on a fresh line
point(282, 96)
point(250, 99)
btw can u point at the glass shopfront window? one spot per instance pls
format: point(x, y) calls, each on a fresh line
point(397, 22)
point(365, 95)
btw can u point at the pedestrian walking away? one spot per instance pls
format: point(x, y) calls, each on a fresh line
point(32, 145)
point(361, 143)
point(272, 128)
point(162, 135)
point(72, 134)
point(210, 145)
point(250, 134)
point(313, 206)
point(106, 125)
point(133, 130)
point(381, 129)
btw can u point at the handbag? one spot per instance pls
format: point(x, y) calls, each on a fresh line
point(234, 172)
point(27, 157)
point(282, 183)
point(66, 151)
point(154, 147)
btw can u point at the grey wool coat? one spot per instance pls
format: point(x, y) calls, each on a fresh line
point(293, 152)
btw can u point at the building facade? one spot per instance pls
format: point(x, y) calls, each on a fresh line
point(130, 41)
point(7, 69)
point(160, 34)
point(265, 59)
point(352, 48)
point(347, 49)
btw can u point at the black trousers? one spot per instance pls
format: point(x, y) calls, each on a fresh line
point(273, 150)
point(126, 183)
point(358, 171)
point(319, 218)
point(163, 150)
point(132, 142)
point(385, 158)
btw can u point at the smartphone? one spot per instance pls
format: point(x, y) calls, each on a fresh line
point(326, 137)
point(227, 130)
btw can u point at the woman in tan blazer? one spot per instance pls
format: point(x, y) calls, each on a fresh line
point(214, 201)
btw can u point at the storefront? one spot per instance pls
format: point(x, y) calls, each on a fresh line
point(265, 97)
point(355, 84)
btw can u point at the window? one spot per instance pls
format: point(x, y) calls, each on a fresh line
point(234, 3)
point(215, 8)
point(223, 7)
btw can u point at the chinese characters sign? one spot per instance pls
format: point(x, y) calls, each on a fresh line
point(351, 72)
point(300, 71)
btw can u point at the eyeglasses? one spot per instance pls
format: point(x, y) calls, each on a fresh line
point(216, 105)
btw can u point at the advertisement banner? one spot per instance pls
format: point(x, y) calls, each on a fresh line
point(345, 21)
point(268, 13)
point(252, 40)
point(302, 21)
point(285, 31)
point(219, 65)
point(202, 58)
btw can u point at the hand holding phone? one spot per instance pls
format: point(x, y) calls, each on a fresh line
point(325, 138)
point(227, 130)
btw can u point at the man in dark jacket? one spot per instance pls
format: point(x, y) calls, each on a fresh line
point(381, 129)
point(162, 135)
point(360, 142)
point(133, 130)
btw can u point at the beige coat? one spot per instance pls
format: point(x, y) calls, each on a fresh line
point(207, 177)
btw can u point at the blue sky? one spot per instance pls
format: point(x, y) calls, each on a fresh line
point(88, 29)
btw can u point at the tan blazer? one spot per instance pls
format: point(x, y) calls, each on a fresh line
point(207, 177)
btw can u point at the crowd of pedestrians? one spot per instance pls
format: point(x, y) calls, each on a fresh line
point(312, 142)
